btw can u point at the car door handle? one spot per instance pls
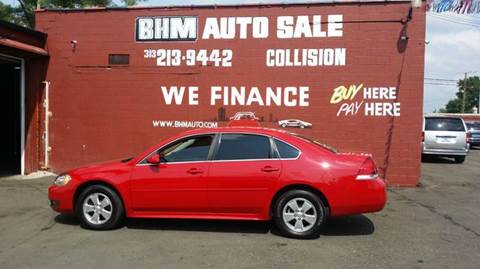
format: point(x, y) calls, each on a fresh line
point(194, 171)
point(269, 169)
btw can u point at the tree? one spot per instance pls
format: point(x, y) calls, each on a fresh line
point(6, 12)
point(24, 14)
point(11, 14)
point(471, 96)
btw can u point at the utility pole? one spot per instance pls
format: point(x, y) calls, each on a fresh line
point(464, 92)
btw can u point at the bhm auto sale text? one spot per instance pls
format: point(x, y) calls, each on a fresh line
point(351, 99)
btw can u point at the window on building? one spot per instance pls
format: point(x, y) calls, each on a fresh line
point(118, 59)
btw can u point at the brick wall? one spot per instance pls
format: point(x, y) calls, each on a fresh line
point(103, 112)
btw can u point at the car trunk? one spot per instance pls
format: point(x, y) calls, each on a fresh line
point(444, 133)
point(445, 140)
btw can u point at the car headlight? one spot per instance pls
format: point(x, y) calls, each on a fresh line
point(62, 180)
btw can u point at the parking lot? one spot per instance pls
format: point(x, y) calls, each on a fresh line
point(434, 226)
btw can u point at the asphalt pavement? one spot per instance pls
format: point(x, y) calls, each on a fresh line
point(436, 225)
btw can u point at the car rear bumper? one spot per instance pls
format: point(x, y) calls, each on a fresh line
point(61, 199)
point(445, 151)
point(363, 196)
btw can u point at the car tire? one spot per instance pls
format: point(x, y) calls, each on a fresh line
point(99, 208)
point(302, 126)
point(459, 159)
point(286, 218)
point(284, 125)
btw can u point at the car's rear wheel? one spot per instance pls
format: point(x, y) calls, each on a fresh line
point(459, 159)
point(99, 208)
point(299, 214)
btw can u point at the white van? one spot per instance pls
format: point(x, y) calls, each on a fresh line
point(445, 136)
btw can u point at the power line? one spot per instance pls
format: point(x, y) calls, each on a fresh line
point(455, 18)
point(468, 72)
point(459, 23)
point(439, 84)
point(471, 24)
point(470, 19)
point(441, 79)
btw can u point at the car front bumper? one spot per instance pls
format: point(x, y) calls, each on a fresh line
point(61, 198)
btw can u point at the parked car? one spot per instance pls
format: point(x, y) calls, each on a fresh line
point(294, 123)
point(247, 115)
point(237, 173)
point(445, 136)
point(474, 129)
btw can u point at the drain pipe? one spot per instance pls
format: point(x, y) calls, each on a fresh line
point(48, 114)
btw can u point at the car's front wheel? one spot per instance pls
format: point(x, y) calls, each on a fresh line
point(99, 208)
point(299, 214)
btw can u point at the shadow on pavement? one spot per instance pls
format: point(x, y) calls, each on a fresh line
point(66, 219)
point(343, 226)
point(351, 225)
point(437, 159)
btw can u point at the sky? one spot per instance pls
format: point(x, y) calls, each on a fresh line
point(452, 48)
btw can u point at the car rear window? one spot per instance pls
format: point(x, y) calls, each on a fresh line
point(285, 150)
point(444, 124)
point(473, 126)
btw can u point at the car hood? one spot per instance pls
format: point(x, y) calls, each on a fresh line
point(102, 167)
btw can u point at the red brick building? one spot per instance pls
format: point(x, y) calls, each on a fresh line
point(120, 80)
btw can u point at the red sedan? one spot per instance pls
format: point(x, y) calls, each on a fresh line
point(235, 173)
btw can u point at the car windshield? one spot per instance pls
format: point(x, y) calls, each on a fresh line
point(444, 124)
point(315, 142)
point(473, 126)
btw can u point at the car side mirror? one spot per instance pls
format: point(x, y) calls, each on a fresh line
point(155, 158)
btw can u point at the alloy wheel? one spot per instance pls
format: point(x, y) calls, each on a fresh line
point(299, 215)
point(97, 208)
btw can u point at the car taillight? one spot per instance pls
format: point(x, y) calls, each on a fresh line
point(423, 136)
point(469, 135)
point(368, 170)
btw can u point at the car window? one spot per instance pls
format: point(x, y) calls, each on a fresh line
point(473, 126)
point(285, 150)
point(187, 150)
point(243, 147)
point(444, 124)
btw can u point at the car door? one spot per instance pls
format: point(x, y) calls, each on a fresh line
point(242, 174)
point(177, 184)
